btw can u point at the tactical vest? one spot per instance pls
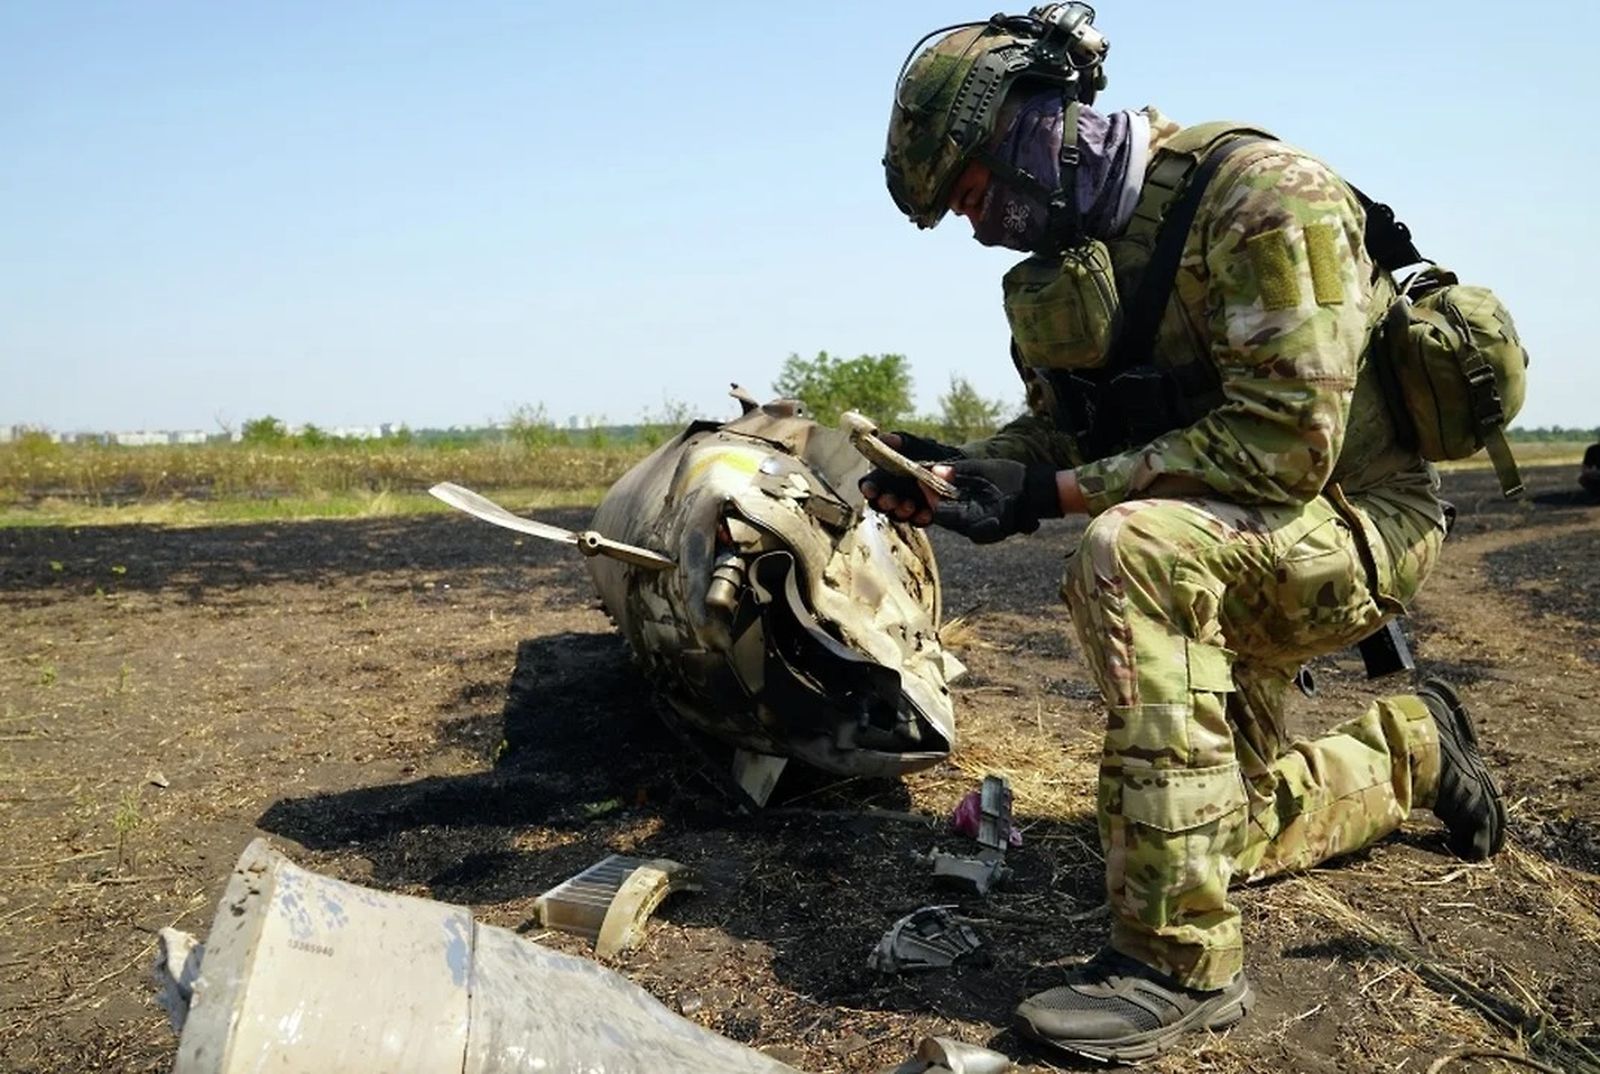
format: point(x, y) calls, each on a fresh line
point(1067, 321)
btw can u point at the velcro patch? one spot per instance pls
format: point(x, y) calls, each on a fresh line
point(1322, 250)
point(1273, 261)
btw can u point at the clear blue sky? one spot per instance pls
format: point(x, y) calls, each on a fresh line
point(347, 213)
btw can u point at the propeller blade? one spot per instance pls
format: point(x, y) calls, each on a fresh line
point(588, 542)
point(464, 499)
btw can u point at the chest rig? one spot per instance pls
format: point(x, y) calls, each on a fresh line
point(1085, 324)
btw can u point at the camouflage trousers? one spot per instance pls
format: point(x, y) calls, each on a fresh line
point(1195, 616)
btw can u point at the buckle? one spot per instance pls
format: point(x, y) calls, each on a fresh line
point(1484, 398)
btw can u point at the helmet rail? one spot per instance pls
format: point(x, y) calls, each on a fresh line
point(948, 94)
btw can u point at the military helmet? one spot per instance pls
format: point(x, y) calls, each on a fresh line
point(948, 94)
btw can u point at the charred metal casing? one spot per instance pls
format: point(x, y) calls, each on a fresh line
point(794, 625)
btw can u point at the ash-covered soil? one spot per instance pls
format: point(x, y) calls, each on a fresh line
point(432, 706)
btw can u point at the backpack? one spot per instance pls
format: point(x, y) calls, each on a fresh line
point(1449, 354)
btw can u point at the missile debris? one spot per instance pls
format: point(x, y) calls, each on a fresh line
point(304, 974)
point(612, 900)
point(925, 939)
point(777, 617)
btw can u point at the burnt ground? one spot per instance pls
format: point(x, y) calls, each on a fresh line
point(428, 706)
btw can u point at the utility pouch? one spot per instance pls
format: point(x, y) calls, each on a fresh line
point(1063, 310)
point(1457, 369)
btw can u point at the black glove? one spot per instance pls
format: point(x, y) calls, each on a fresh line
point(999, 497)
point(922, 449)
point(903, 488)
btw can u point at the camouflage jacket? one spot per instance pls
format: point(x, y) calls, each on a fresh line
point(1276, 287)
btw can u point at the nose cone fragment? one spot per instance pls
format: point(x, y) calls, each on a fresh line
point(795, 624)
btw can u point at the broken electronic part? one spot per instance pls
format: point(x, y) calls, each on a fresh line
point(612, 900)
point(926, 939)
point(984, 814)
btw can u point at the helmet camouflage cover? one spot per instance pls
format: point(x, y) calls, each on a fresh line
point(949, 94)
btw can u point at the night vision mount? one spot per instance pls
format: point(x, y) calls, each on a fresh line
point(1064, 38)
point(1052, 42)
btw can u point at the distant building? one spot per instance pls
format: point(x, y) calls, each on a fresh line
point(141, 438)
point(10, 434)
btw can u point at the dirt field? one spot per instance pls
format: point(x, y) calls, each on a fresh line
point(425, 705)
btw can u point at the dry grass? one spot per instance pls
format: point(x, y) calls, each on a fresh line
point(1413, 994)
point(101, 475)
point(1435, 995)
point(1529, 453)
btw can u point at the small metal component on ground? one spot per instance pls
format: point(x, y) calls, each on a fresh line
point(943, 1055)
point(929, 938)
point(985, 815)
point(176, 969)
point(994, 823)
point(612, 900)
point(979, 874)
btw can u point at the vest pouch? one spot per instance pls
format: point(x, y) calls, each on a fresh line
point(1458, 369)
point(1063, 310)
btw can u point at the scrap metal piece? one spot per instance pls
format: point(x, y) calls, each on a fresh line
point(945, 1055)
point(980, 874)
point(984, 814)
point(177, 967)
point(757, 773)
point(932, 937)
point(612, 900)
point(994, 822)
point(864, 435)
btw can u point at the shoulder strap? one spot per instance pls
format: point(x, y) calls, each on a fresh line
point(1142, 315)
point(1172, 165)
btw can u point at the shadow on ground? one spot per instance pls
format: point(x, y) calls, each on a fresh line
point(44, 563)
point(587, 768)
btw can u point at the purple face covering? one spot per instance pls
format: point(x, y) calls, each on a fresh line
point(1017, 215)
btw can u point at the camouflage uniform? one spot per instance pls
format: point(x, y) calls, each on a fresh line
point(1286, 523)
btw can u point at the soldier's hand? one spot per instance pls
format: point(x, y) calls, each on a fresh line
point(998, 498)
point(899, 496)
point(921, 448)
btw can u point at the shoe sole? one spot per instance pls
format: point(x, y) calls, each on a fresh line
point(1138, 1047)
point(1477, 769)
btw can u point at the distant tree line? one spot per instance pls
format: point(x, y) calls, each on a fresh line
point(879, 386)
point(1544, 434)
